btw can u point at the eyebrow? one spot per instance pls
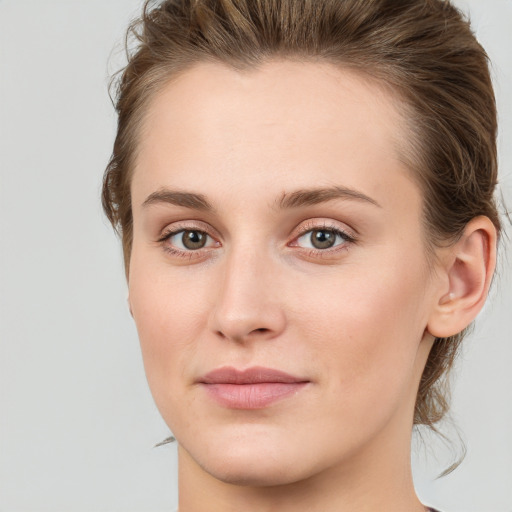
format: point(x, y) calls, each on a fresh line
point(296, 199)
point(308, 197)
point(177, 198)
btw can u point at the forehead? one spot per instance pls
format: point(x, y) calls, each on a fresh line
point(291, 122)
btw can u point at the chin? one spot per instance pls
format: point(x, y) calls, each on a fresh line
point(251, 473)
point(256, 460)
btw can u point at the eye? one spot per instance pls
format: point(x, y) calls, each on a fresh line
point(189, 240)
point(322, 238)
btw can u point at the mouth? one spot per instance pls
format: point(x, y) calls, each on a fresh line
point(253, 388)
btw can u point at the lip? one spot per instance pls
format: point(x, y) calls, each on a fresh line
point(253, 388)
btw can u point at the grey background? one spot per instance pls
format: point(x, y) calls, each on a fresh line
point(77, 422)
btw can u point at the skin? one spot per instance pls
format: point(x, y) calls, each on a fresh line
point(356, 320)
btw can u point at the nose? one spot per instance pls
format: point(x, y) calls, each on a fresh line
point(248, 306)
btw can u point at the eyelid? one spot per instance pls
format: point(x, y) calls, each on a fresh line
point(187, 255)
point(347, 234)
point(327, 224)
point(173, 234)
point(188, 225)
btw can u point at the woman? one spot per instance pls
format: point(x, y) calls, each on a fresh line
point(305, 196)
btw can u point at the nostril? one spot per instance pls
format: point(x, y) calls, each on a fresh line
point(247, 324)
point(240, 336)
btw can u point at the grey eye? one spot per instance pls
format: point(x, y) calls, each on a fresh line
point(190, 240)
point(323, 238)
point(193, 239)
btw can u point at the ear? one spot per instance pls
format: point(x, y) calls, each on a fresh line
point(465, 275)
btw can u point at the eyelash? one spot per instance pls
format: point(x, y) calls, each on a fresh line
point(307, 228)
point(311, 226)
point(190, 254)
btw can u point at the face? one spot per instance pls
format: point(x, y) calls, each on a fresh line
point(278, 277)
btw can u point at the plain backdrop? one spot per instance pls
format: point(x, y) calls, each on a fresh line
point(77, 421)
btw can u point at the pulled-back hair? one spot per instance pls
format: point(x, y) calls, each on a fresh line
point(423, 50)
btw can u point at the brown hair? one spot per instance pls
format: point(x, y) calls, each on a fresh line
point(424, 50)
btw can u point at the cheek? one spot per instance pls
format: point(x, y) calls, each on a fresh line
point(366, 328)
point(170, 316)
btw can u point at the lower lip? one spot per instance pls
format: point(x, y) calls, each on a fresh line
point(252, 396)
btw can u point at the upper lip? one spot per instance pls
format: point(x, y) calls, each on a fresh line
point(253, 375)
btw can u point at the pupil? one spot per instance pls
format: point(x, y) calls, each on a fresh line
point(323, 239)
point(193, 239)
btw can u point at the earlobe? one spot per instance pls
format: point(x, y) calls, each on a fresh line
point(468, 270)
